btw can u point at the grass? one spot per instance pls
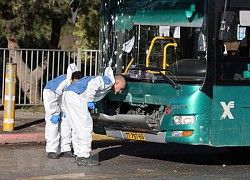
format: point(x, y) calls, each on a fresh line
point(33, 109)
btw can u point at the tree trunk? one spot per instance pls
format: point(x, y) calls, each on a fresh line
point(29, 88)
point(55, 33)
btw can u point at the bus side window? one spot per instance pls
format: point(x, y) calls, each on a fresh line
point(244, 44)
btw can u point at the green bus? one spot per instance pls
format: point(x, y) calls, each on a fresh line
point(187, 67)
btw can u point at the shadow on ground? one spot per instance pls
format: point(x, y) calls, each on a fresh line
point(190, 154)
point(29, 124)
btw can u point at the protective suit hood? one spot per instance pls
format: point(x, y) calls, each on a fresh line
point(109, 72)
point(71, 68)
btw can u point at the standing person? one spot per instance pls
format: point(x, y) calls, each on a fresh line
point(52, 95)
point(77, 99)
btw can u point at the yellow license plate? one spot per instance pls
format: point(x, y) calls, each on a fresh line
point(135, 136)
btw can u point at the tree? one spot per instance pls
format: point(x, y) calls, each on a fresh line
point(31, 21)
point(28, 23)
point(88, 24)
point(38, 24)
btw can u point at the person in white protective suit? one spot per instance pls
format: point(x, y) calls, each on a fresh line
point(77, 99)
point(52, 98)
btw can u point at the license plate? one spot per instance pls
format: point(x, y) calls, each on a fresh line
point(135, 136)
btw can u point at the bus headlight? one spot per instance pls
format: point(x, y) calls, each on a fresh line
point(178, 120)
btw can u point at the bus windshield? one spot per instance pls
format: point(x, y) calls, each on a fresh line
point(166, 37)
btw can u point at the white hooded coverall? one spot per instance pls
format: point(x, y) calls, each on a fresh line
point(52, 99)
point(75, 102)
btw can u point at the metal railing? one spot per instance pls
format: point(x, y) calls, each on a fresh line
point(35, 67)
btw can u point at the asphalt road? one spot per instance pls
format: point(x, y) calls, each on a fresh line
point(126, 160)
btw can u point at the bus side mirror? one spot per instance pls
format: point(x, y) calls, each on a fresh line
point(228, 26)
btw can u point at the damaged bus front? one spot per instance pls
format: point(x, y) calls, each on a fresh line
point(161, 49)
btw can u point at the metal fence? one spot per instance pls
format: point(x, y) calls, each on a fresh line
point(35, 67)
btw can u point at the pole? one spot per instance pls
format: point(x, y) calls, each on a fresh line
point(9, 97)
point(79, 59)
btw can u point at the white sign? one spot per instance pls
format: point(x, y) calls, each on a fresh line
point(244, 18)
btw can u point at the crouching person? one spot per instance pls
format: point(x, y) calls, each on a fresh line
point(52, 98)
point(77, 99)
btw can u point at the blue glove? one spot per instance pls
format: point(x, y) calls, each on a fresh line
point(54, 119)
point(91, 105)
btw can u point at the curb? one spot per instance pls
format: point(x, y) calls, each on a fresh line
point(21, 138)
point(36, 137)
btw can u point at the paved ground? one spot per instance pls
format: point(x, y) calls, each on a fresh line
point(28, 127)
point(119, 159)
point(128, 160)
point(27, 120)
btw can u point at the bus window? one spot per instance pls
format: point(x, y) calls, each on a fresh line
point(243, 45)
point(235, 52)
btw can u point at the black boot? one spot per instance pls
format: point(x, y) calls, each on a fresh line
point(53, 155)
point(67, 154)
point(81, 161)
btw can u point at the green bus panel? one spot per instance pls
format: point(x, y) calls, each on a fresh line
point(197, 104)
point(231, 116)
point(150, 93)
point(144, 93)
